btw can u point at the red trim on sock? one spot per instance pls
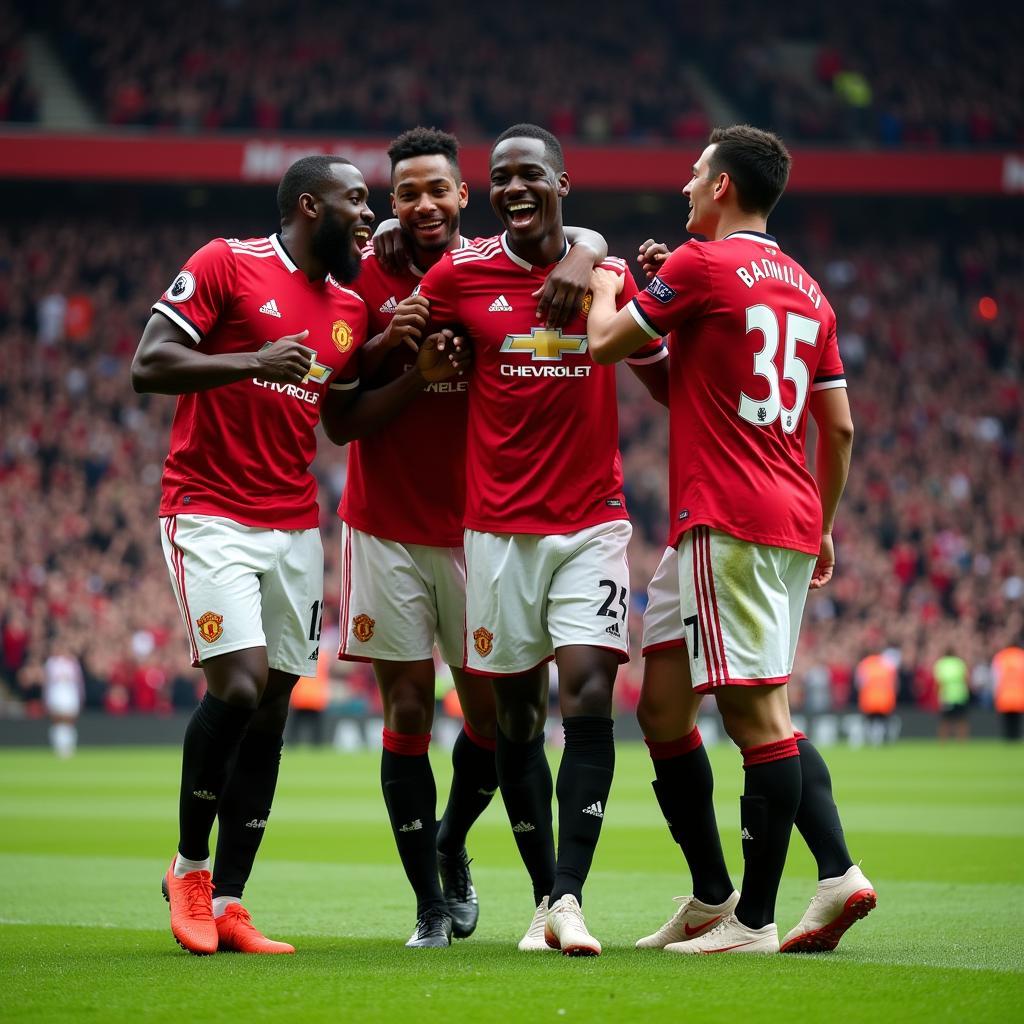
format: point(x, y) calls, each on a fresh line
point(798, 735)
point(475, 738)
point(777, 751)
point(406, 745)
point(662, 750)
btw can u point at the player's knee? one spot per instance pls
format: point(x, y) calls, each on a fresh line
point(409, 710)
point(241, 691)
point(521, 723)
point(484, 722)
point(591, 695)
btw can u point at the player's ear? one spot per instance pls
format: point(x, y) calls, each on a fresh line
point(721, 185)
point(307, 204)
point(463, 195)
point(394, 207)
point(563, 184)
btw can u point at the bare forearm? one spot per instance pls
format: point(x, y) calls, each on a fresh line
point(831, 468)
point(654, 377)
point(593, 241)
point(369, 411)
point(173, 369)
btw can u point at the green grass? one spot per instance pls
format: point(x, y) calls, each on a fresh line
point(84, 936)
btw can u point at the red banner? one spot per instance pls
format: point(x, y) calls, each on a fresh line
point(221, 159)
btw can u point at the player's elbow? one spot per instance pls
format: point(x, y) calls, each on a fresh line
point(601, 352)
point(143, 378)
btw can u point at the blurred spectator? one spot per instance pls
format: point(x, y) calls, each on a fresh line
point(875, 678)
point(951, 675)
point(1008, 677)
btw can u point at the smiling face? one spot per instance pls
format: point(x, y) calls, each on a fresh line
point(700, 190)
point(343, 223)
point(428, 199)
point(526, 192)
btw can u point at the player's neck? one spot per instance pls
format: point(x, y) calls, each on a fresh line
point(301, 255)
point(544, 251)
point(424, 259)
point(729, 225)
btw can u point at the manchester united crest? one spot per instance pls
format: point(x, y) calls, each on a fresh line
point(362, 628)
point(210, 628)
point(586, 303)
point(483, 641)
point(341, 335)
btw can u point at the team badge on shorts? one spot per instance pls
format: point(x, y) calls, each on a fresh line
point(483, 641)
point(210, 628)
point(362, 628)
point(341, 335)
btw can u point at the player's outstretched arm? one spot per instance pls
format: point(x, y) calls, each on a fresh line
point(347, 417)
point(831, 411)
point(167, 362)
point(562, 294)
point(612, 334)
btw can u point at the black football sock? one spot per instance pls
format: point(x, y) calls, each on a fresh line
point(411, 798)
point(526, 789)
point(685, 787)
point(244, 809)
point(211, 739)
point(584, 781)
point(474, 783)
point(771, 795)
point(817, 817)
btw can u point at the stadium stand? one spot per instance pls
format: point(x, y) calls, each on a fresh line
point(921, 75)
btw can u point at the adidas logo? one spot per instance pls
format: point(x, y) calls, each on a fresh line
point(499, 305)
point(745, 834)
point(314, 655)
point(390, 306)
point(523, 826)
point(412, 826)
point(595, 810)
point(270, 308)
point(256, 823)
point(613, 630)
point(204, 794)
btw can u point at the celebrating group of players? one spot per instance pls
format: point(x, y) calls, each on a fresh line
point(484, 511)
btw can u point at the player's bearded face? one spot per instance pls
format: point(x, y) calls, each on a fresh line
point(334, 244)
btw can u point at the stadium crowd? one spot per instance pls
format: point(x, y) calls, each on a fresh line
point(921, 75)
point(930, 537)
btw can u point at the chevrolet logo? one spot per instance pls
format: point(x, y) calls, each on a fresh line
point(545, 344)
point(317, 372)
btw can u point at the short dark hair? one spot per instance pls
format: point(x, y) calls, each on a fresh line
point(308, 174)
point(552, 147)
point(422, 141)
point(756, 161)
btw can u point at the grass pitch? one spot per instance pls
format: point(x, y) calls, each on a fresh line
point(84, 933)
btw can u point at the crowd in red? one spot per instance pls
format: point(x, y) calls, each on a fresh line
point(930, 538)
point(921, 75)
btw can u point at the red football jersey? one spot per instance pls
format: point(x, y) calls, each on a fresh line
point(752, 334)
point(243, 450)
point(543, 433)
point(392, 490)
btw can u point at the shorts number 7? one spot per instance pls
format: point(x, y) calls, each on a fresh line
point(691, 620)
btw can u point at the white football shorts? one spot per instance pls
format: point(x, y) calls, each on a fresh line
point(739, 608)
point(247, 586)
point(527, 595)
point(398, 600)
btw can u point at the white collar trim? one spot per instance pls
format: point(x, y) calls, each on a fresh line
point(519, 261)
point(282, 253)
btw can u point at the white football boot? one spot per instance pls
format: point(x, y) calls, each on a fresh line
point(730, 935)
point(566, 930)
point(838, 903)
point(533, 940)
point(692, 919)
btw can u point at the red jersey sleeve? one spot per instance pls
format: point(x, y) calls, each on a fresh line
point(201, 291)
point(829, 372)
point(440, 288)
point(653, 350)
point(681, 291)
